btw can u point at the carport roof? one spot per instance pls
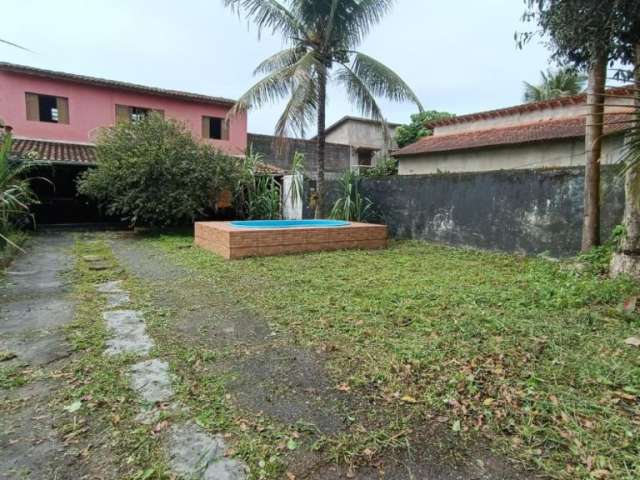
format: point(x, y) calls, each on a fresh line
point(61, 153)
point(55, 152)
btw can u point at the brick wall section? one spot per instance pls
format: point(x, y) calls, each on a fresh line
point(232, 243)
point(336, 157)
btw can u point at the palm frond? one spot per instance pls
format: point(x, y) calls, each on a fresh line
point(381, 81)
point(362, 15)
point(270, 15)
point(361, 96)
point(300, 111)
point(282, 59)
point(273, 87)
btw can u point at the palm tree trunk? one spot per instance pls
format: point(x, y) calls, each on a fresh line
point(593, 146)
point(627, 259)
point(321, 140)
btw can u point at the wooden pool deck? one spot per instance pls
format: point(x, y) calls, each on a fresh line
point(233, 243)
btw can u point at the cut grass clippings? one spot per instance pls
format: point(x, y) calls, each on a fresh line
point(527, 351)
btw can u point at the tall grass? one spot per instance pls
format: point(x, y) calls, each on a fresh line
point(16, 195)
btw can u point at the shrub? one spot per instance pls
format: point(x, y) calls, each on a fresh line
point(384, 168)
point(351, 205)
point(16, 195)
point(153, 173)
point(414, 131)
point(256, 196)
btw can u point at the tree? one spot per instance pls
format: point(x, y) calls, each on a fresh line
point(627, 259)
point(419, 127)
point(583, 34)
point(321, 39)
point(560, 83)
point(152, 173)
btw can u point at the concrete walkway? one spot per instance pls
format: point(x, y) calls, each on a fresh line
point(34, 308)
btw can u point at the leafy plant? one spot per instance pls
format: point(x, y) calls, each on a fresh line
point(384, 168)
point(296, 189)
point(418, 128)
point(256, 195)
point(16, 195)
point(351, 205)
point(598, 258)
point(555, 84)
point(153, 173)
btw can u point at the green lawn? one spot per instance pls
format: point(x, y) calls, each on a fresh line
point(528, 351)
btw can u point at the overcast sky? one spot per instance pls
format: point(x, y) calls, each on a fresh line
point(457, 55)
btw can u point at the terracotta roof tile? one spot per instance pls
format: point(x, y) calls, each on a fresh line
point(55, 152)
point(533, 132)
point(80, 154)
point(625, 90)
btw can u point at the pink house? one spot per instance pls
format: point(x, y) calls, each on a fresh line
point(47, 106)
point(56, 116)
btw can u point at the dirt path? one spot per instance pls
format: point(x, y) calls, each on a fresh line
point(35, 306)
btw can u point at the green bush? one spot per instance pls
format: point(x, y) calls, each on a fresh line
point(384, 168)
point(414, 131)
point(351, 205)
point(153, 173)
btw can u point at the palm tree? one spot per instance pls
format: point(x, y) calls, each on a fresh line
point(561, 83)
point(321, 38)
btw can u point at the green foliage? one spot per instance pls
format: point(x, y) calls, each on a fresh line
point(153, 173)
point(598, 258)
point(16, 195)
point(351, 205)
point(385, 167)
point(414, 131)
point(555, 84)
point(580, 31)
point(256, 195)
point(297, 182)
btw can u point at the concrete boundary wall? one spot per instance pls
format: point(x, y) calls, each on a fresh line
point(529, 211)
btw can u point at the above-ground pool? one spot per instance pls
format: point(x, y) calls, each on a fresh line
point(289, 223)
point(257, 238)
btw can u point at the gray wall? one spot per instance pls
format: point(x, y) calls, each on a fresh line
point(336, 157)
point(529, 211)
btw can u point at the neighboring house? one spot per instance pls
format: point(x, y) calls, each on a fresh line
point(55, 116)
point(279, 152)
point(545, 134)
point(365, 138)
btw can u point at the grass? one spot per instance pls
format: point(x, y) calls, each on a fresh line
point(526, 351)
point(97, 394)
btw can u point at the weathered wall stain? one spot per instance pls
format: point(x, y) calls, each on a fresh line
point(529, 211)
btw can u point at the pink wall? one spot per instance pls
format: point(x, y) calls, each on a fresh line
point(91, 107)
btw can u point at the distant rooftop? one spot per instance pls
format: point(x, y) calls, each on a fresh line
point(527, 107)
point(349, 118)
point(101, 82)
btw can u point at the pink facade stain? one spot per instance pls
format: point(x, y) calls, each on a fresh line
point(92, 107)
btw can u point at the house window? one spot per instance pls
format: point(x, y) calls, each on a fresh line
point(126, 113)
point(47, 108)
point(215, 127)
point(365, 156)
